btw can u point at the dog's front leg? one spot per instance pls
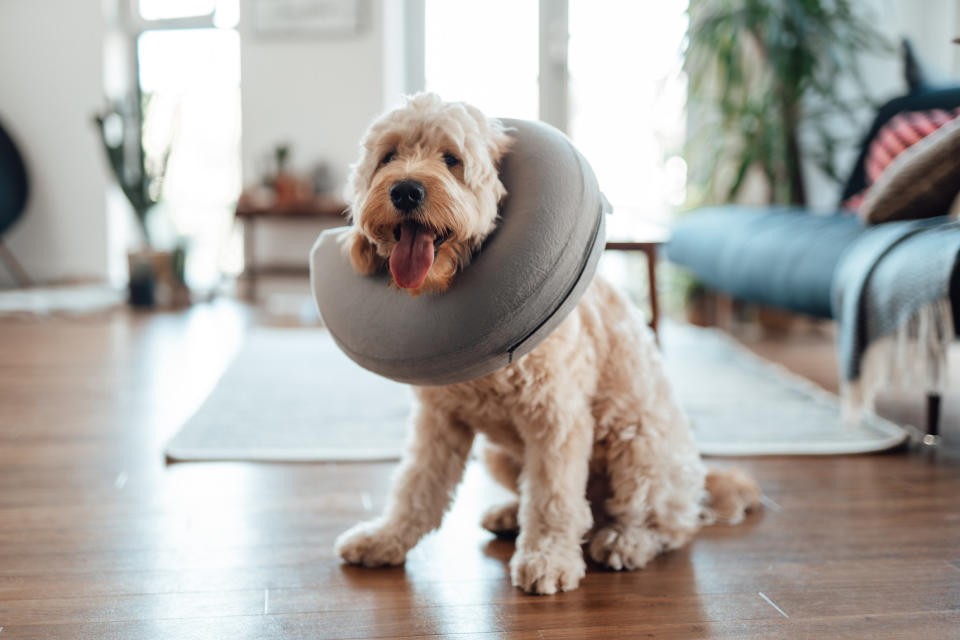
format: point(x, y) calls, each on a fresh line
point(423, 488)
point(554, 511)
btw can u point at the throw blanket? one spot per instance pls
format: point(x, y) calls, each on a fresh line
point(891, 301)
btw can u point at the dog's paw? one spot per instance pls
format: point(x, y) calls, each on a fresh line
point(629, 548)
point(732, 494)
point(371, 544)
point(547, 571)
point(502, 520)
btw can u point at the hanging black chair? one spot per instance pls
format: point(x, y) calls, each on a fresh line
point(13, 199)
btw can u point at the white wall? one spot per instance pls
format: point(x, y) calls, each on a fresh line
point(316, 92)
point(51, 79)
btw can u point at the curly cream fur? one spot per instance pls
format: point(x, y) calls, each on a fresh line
point(584, 424)
point(461, 202)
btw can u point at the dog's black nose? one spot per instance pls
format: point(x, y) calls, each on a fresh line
point(407, 195)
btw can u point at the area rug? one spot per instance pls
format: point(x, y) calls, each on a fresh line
point(291, 395)
point(742, 405)
point(66, 300)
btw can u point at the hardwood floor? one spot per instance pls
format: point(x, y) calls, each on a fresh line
point(99, 538)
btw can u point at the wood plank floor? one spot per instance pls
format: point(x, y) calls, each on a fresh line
point(100, 539)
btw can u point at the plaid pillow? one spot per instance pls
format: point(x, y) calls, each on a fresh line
point(899, 134)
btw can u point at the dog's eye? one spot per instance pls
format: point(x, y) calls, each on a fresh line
point(451, 159)
point(387, 158)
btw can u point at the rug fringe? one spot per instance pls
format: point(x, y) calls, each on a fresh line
point(915, 357)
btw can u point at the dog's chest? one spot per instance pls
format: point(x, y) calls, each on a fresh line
point(489, 406)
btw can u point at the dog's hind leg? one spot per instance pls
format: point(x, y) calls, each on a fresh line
point(505, 469)
point(626, 540)
point(731, 493)
point(656, 483)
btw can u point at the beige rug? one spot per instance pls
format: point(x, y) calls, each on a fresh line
point(291, 395)
point(65, 300)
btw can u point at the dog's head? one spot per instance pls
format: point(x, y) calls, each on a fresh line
point(425, 191)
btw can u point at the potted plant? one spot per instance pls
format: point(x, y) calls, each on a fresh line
point(769, 74)
point(157, 274)
point(770, 82)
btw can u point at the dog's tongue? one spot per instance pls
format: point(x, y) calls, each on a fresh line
point(412, 257)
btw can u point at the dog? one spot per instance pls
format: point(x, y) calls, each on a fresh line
point(588, 412)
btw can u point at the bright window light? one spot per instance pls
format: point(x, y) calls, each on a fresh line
point(485, 53)
point(190, 81)
point(627, 104)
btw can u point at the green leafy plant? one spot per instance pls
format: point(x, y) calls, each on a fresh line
point(768, 73)
point(139, 176)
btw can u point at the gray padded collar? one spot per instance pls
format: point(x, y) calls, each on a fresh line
point(529, 275)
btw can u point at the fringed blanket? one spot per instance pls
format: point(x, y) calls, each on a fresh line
point(891, 300)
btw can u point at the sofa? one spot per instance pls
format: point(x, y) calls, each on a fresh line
point(788, 257)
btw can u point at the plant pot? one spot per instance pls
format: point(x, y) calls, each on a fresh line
point(156, 279)
point(698, 309)
point(775, 321)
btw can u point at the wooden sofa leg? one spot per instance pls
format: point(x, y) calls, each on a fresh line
point(932, 435)
point(722, 311)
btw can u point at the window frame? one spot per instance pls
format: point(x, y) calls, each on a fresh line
point(553, 36)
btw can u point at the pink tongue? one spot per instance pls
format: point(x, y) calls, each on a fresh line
point(412, 257)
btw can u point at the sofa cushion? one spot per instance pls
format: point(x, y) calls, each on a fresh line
point(921, 182)
point(897, 136)
point(947, 98)
point(779, 256)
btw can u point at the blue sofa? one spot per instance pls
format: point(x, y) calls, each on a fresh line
point(785, 257)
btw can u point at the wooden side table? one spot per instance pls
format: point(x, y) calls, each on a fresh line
point(649, 242)
point(251, 210)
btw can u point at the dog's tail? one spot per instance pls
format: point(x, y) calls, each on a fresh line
point(731, 493)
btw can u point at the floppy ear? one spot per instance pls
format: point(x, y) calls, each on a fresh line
point(361, 172)
point(363, 254)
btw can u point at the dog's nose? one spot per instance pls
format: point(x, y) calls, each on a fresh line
point(407, 195)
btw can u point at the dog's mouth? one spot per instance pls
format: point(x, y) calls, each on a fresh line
point(414, 252)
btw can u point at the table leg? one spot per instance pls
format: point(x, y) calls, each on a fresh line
point(651, 253)
point(249, 269)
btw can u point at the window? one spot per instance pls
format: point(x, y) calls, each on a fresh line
point(627, 103)
point(473, 53)
point(609, 73)
point(182, 59)
point(622, 84)
point(190, 83)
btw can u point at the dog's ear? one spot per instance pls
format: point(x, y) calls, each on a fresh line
point(363, 254)
point(375, 143)
point(361, 172)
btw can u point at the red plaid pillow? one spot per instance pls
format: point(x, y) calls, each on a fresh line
point(900, 133)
